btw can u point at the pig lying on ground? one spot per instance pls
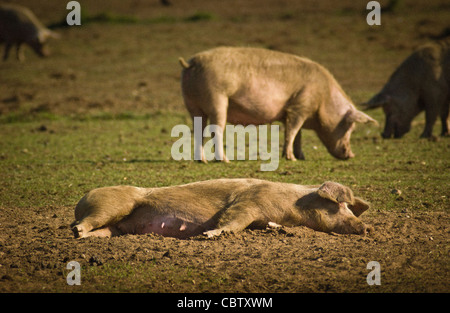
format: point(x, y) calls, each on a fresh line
point(19, 25)
point(421, 82)
point(258, 86)
point(213, 206)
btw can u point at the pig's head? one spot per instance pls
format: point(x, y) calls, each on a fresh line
point(38, 43)
point(333, 208)
point(335, 133)
point(399, 112)
point(39, 47)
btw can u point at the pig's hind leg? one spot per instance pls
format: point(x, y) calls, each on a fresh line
point(82, 228)
point(218, 117)
point(8, 46)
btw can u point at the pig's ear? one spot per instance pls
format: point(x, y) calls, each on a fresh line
point(359, 207)
point(336, 192)
point(356, 116)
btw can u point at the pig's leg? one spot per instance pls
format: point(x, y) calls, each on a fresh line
point(8, 46)
point(298, 153)
point(199, 153)
point(430, 118)
point(219, 118)
point(107, 231)
point(294, 122)
point(444, 118)
point(19, 53)
point(432, 100)
point(234, 219)
point(82, 228)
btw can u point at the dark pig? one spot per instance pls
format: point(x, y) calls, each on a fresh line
point(420, 83)
point(19, 25)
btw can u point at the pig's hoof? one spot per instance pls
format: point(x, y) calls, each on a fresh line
point(291, 158)
point(212, 233)
point(78, 231)
point(273, 225)
point(299, 156)
point(426, 134)
point(369, 230)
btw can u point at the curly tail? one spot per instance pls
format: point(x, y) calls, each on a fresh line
point(183, 63)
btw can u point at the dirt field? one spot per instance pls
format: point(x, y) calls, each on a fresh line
point(412, 249)
point(85, 117)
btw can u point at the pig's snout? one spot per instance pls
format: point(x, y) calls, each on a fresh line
point(353, 226)
point(343, 154)
point(350, 155)
point(364, 229)
point(359, 228)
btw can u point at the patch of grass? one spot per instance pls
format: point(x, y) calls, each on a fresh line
point(108, 17)
point(200, 16)
point(148, 276)
point(54, 162)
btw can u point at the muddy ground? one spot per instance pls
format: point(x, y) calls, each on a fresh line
point(36, 245)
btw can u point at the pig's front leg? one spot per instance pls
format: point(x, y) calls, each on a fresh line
point(19, 53)
point(293, 124)
point(8, 46)
point(298, 153)
point(234, 219)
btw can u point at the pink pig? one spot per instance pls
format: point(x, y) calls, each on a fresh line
point(215, 206)
point(258, 86)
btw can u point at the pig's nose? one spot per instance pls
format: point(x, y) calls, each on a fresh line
point(366, 229)
point(345, 155)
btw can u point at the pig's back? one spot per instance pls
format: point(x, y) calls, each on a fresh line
point(259, 83)
point(230, 61)
point(17, 21)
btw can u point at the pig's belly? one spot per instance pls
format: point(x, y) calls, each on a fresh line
point(256, 107)
point(246, 113)
point(169, 226)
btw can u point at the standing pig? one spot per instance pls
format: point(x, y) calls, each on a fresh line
point(421, 82)
point(258, 86)
point(19, 25)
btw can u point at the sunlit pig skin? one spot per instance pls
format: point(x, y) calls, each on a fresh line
point(242, 85)
point(215, 206)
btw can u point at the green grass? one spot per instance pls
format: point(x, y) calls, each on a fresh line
point(55, 161)
point(147, 277)
point(108, 17)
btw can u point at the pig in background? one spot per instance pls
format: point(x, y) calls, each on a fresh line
point(421, 82)
point(18, 25)
point(258, 86)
